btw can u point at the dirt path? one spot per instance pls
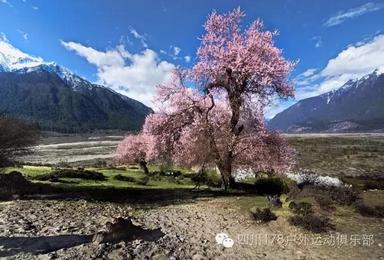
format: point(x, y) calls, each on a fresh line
point(189, 229)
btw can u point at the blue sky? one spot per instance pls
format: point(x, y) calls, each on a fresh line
point(132, 45)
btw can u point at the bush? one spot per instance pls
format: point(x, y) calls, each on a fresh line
point(340, 195)
point(264, 215)
point(369, 211)
point(301, 208)
point(167, 173)
point(325, 203)
point(374, 185)
point(172, 173)
point(13, 183)
point(271, 186)
point(120, 177)
point(371, 181)
point(311, 222)
point(209, 178)
point(72, 173)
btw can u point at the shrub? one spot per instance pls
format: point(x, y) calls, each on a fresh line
point(369, 211)
point(325, 203)
point(14, 182)
point(340, 195)
point(172, 173)
point(374, 185)
point(264, 215)
point(271, 186)
point(71, 173)
point(209, 178)
point(120, 177)
point(311, 222)
point(301, 208)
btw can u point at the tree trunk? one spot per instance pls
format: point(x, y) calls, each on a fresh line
point(143, 166)
point(225, 170)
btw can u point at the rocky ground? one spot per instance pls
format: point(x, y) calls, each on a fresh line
point(28, 228)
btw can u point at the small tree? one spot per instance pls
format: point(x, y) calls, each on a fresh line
point(133, 149)
point(16, 139)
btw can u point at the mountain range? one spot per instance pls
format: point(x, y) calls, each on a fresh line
point(59, 100)
point(357, 106)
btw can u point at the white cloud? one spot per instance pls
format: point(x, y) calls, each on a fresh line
point(176, 50)
point(309, 72)
point(353, 62)
point(359, 59)
point(23, 34)
point(140, 37)
point(187, 59)
point(35, 8)
point(318, 41)
point(306, 78)
point(344, 15)
point(135, 75)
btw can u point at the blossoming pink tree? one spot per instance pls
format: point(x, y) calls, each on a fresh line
point(133, 149)
point(220, 121)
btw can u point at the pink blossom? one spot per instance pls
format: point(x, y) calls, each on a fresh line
point(219, 121)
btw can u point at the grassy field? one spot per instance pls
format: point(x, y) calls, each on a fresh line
point(162, 182)
point(340, 155)
point(345, 156)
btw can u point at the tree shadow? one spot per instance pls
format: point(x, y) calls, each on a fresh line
point(121, 230)
point(40, 245)
point(25, 189)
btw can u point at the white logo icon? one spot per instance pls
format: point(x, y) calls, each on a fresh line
point(225, 240)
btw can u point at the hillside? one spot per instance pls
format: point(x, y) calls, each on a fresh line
point(59, 100)
point(357, 106)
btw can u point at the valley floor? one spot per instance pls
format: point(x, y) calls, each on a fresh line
point(47, 228)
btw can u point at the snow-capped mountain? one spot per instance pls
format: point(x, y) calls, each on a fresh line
point(58, 99)
point(14, 60)
point(358, 105)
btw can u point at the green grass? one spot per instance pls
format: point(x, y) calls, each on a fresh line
point(161, 182)
point(30, 171)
